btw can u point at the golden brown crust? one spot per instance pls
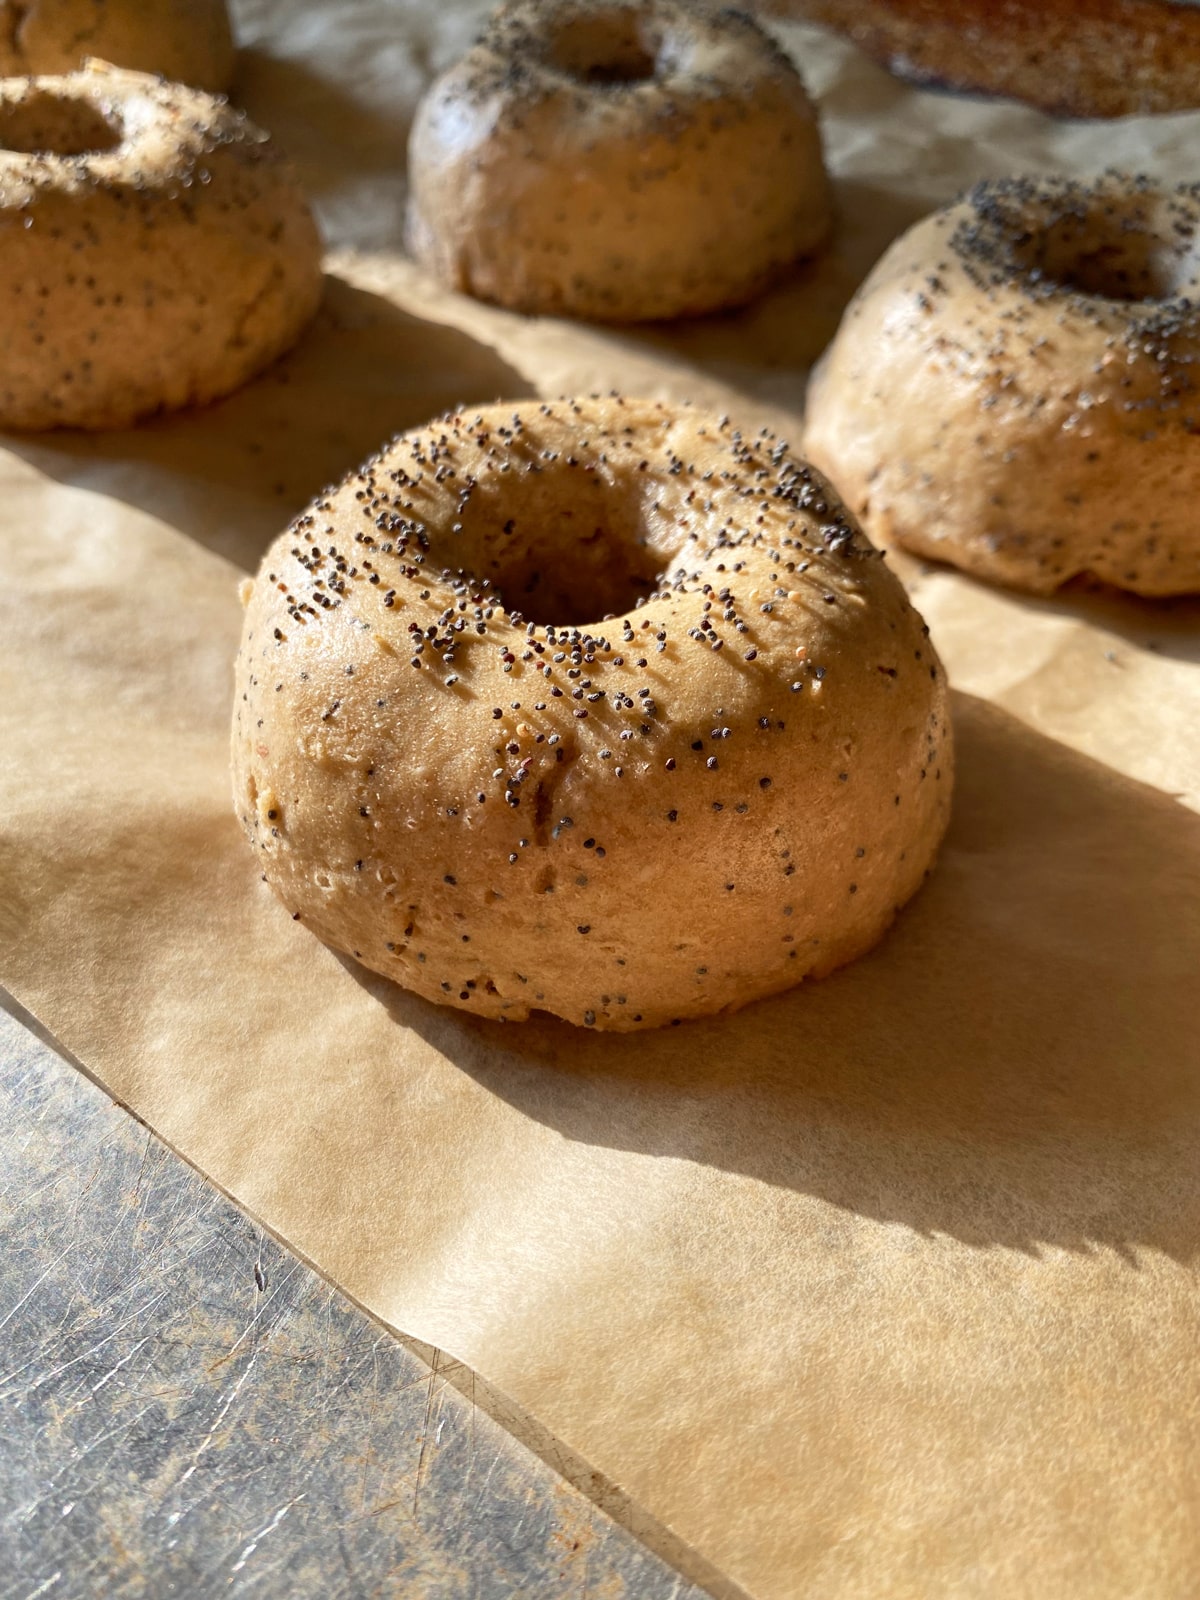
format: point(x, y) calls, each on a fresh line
point(593, 159)
point(187, 40)
point(694, 802)
point(156, 252)
point(1080, 58)
point(1016, 387)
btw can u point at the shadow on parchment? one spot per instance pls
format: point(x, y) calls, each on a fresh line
point(326, 130)
point(333, 140)
point(766, 347)
point(1017, 1064)
point(233, 474)
point(1168, 626)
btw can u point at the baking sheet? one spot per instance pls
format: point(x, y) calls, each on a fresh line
point(884, 1287)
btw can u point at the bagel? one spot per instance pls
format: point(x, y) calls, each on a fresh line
point(1077, 58)
point(595, 708)
point(187, 40)
point(1015, 387)
point(618, 162)
point(156, 252)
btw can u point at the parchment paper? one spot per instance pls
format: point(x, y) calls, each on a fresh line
point(883, 1288)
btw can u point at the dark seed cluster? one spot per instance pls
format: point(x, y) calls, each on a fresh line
point(533, 48)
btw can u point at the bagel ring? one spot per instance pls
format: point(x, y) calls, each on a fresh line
point(616, 161)
point(595, 708)
point(186, 40)
point(156, 251)
point(1016, 387)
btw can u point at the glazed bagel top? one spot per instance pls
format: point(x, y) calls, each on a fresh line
point(468, 755)
point(616, 160)
point(186, 40)
point(1020, 374)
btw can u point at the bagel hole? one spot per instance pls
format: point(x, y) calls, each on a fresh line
point(578, 538)
point(1109, 259)
point(605, 50)
point(546, 596)
point(45, 124)
point(603, 573)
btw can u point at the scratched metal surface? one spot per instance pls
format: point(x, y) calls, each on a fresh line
point(186, 1409)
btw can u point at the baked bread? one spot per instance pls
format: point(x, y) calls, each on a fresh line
point(1016, 387)
point(590, 158)
point(157, 252)
point(187, 40)
point(1079, 58)
point(595, 708)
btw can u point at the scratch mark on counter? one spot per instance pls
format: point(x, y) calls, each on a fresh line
point(474, 1414)
point(262, 1533)
point(56, 1372)
point(133, 1456)
point(482, 1492)
point(112, 1372)
point(77, 1456)
point(433, 1372)
point(147, 1146)
point(33, 1288)
point(44, 1588)
point(221, 1415)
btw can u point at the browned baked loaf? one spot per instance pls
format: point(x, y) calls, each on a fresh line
point(187, 40)
point(1079, 58)
point(620, 810)
point(1014, 388)
point(592, 158)
point(155, 250)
